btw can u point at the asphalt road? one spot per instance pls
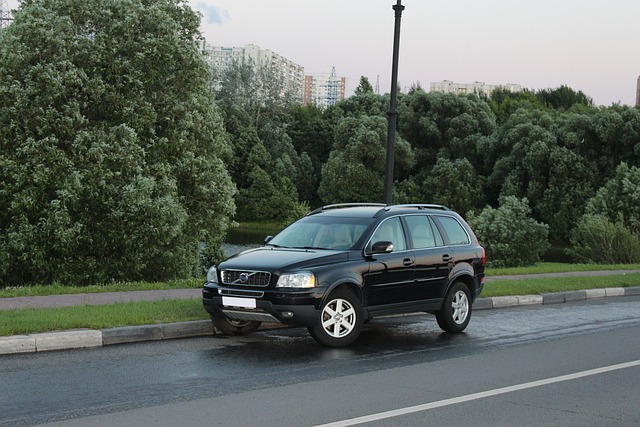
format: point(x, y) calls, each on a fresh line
point(563, 365)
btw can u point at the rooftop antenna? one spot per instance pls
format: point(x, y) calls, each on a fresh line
point(377, 89)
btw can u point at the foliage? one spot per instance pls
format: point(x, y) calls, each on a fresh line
point(563, 97)
point(509, 234)
point(598, 239)
point(110, 146)
point(438, 124)
point(297, 212)
point(454, 184)
point(364, 86)
point(356, 166)
point(256, 105)
point(619, 199)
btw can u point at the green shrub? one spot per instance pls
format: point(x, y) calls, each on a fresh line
point(619, 198)
point(509, 235)
point(596, 239)
point(111, 145)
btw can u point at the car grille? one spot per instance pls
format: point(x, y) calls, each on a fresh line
point(245, 278)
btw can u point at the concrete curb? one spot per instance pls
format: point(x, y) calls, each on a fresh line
point(84, 338)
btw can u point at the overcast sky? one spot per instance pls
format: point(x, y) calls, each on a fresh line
point(589, 45)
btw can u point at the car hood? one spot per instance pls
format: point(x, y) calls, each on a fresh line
point(276, 259)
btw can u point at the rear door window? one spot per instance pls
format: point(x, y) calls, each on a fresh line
point(423, 232)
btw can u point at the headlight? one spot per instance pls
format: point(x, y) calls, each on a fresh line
point(296, 280)
point(212, 275)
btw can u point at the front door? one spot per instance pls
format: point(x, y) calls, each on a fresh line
point(391, 276)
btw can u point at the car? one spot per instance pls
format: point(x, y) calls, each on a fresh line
point(344, 264)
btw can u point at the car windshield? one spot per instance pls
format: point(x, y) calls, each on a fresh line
point(321, 232)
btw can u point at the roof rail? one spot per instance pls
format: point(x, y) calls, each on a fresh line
point(419, 206)
point(344, 205)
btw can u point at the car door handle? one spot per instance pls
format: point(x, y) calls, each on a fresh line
point(407, 262)
point(446, 257)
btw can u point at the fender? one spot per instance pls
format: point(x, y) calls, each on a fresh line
point(461, 269)
point(351, 279)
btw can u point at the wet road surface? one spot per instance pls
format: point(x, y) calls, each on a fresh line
point(282, 377)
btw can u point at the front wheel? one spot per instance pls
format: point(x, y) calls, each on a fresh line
point(455, 313)
point(233, 326)
point(340, 321)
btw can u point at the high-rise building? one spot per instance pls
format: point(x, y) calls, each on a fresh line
point(447, 86)
point(221, 58)
point(324, 90)
point(638, 93)
point(5, 14)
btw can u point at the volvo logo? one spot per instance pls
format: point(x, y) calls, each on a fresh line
point(244, 277)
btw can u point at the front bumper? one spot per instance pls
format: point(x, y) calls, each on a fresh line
point(292, 307)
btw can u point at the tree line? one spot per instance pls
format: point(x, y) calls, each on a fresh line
point(120, 161)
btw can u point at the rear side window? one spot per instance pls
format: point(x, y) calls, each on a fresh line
point(455, 232)
point(424, 233)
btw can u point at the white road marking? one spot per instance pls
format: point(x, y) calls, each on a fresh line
point(480, 395)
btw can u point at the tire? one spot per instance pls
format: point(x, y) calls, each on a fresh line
point(455, 313)
point(340, 321)
point(233, 326)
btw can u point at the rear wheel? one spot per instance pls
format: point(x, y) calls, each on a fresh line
point(455, 313)
point(234, 326)
point(340, 321)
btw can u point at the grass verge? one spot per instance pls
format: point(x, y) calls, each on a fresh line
point(59, 289)
point(557, 267)
point(537, 286)
point(33, 320)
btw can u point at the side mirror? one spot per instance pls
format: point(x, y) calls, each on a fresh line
point(382, 247)
point(267, 239)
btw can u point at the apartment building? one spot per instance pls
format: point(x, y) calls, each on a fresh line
point(221, 58)
point(447, 86)
point(324, 90)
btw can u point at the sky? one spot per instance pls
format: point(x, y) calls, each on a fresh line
point(589, 45)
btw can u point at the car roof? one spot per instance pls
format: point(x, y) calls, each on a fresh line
point(370, 210)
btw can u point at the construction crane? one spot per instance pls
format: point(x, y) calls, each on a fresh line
point(5, 14)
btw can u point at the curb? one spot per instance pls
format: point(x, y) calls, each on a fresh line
point(85, 338)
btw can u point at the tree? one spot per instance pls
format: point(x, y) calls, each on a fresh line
point(510, 236)
point(454, 184)
point(111, 147)
point(364, 86)
point(356, 166)
point(563, 97)
point(257, 107)
point(503, 102)
point(596, 239)
point(619, 199)
point(455, 124)
point(311, 134)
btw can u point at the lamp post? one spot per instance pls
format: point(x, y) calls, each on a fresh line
point(392, 114)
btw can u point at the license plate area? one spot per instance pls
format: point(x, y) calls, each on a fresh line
point(239, 302)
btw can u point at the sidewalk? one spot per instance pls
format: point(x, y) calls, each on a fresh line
point(128, 334)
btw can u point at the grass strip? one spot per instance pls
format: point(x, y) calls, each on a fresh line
point(537, 286)
point(557, 267)
point(33, 320)
point(60, 289)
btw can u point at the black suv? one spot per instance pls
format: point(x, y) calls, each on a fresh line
point(344, 264)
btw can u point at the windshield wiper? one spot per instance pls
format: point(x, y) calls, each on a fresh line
point(309, 247)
